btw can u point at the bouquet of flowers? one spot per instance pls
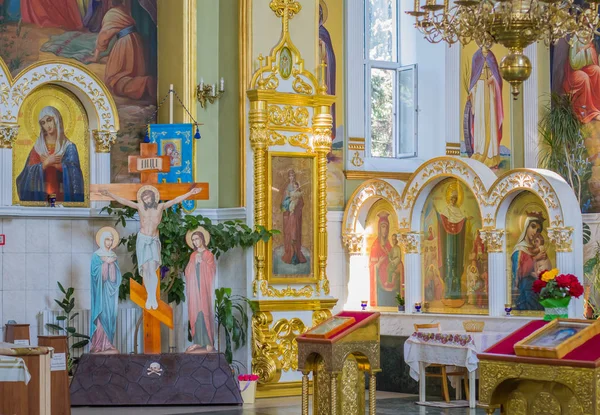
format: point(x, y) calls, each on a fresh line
point(248, 387)
point(555, 292)
point(248, 378)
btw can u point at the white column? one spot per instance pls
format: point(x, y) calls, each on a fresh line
point(562, 238)
point(453, 116)
point(411, 242)
point(530, 111)
point(5, 176)
point(355, 93)
point(358, 272)
point(565, 263)
point(497, 275)
point(8, 136)
point(100, 145)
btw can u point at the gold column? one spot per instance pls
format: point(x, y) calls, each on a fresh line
point(322, 125)
point(304, 393)
point(372, 393)
point(258, 139)
point(334, 400)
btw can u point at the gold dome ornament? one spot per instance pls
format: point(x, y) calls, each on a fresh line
point(515, 68)
point(515, 24)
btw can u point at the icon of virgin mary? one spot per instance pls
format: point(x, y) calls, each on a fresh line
point(52, 166)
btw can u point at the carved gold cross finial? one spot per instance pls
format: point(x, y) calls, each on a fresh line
point(285, 9)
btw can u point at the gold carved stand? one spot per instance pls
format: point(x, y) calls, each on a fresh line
point(338, 365)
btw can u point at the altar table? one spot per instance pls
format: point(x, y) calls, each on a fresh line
point(25, 378)
point(447, 348)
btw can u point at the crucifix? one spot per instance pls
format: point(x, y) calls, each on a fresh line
point(146, 198)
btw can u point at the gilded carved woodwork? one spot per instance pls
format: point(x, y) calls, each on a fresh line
point(288, 116)
point(274, 346)
point(547, 388)
point(8, 135)
point(562, 238)
point(307, 113)
point(493, 239)
point(353, 242)
point(410, 242)
point(104, 140)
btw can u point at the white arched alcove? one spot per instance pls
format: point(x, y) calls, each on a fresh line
point(353, 229)
point(494, 196)
point(102, 117)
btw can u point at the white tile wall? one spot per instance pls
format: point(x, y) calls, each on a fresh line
point(40, 252)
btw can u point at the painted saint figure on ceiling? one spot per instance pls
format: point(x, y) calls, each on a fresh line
point(199, 291)
point(484, 110)
point(53, 165)
point(106, 280)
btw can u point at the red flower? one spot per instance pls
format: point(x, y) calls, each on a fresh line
point(563, 281)
point(538, 285)
point(253, 378)
point(576, 290)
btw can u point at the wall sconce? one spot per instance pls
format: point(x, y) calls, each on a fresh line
point(206, 92)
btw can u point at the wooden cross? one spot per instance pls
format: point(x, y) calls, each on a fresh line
point(149, 164)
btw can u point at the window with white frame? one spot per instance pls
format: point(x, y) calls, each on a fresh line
point(391, 88)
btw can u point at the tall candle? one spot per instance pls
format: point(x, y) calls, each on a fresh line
point(214, 90)
point(222, 84)
point(201, 83)
point(416, 5)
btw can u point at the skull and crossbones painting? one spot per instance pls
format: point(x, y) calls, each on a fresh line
point(154, 369)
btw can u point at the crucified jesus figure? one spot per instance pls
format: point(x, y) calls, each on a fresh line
point(148, 242)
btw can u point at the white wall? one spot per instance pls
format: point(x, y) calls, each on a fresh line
point(40, 252)
point(336, 260)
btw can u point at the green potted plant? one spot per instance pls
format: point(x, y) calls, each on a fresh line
point(67, 304)
point(400, 301)
point(232, 320)
point(562, 147)
point(175, 252)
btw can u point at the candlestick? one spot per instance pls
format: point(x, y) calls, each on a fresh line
point(416, 5)
point(222, 85)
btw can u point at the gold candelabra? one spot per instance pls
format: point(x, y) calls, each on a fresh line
point(209, 93)
point(514, 24)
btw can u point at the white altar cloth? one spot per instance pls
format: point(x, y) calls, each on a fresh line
point(13, 369)
point(447, 348)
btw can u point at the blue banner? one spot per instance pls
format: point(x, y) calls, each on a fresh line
point(177, 142)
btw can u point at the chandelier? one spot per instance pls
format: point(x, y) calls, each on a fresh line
point(514, 24)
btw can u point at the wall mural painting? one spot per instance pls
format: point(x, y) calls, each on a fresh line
point(292, 184)
point(331, 49)
point(115, 39)
point(528, 250)
point(455, 262)
point(485, 105)
point(575, 71)
point(386, 259)
point(51, 153)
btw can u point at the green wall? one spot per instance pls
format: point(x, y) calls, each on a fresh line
point(218, 155)
point(229, 117)
point(207, 168)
